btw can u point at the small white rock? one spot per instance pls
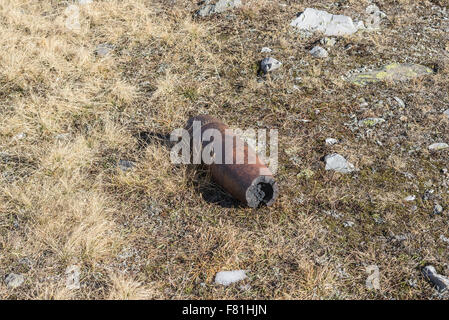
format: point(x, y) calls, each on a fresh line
point(338, 163)
point(331, 141)
point(227, 277)
point(84, 1)
point(269, 64)
point(438, 146)
point(73, 277)
point(348, 224)
point(313, 20)
point(319, 52)
point(13, 280)
point(20, 136)
point(410, 198)
point(266, 50)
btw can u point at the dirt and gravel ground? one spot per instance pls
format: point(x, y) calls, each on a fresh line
point(69, 115)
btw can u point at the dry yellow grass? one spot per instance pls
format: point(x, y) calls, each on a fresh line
point(69, 115)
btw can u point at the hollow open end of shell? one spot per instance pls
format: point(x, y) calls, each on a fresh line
point(263, 191)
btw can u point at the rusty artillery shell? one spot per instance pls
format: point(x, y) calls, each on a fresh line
point(251, 182)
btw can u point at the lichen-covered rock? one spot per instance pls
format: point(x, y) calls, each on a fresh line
point(391, 72)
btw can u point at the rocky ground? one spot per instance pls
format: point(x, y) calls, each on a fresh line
point(91, 206)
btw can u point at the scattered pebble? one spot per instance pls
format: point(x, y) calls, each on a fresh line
point(313, 20)
point(328, 42)
point(126, 165)
point(73, 277)
point(306, 173)
point(373, 280)
point(400, 237)
point(437, 209)
point(266, 50)
point(331, 141)
point(62, 136)
point(338, 163)
point(428, 194)
point(440, 282)
point(219, 7)
point(412, 283)
point(227, 277)
point(103, 49)
point(20, 136)
point(375, 17)
point(410, 198)
point(348, 224)
point(269, 64)
point(370, 122)
point(319, 52)
point(438, 146)
point(13, 280)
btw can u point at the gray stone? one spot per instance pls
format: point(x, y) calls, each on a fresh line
point(319, 52)
point(400, 102)
point(313, 20)
point(103, 49)
point(73, 277)
point(219, 7)
point(446, 113)
point(437, 209)
point(440, 282)
point(126, 165)
point(269, 64)
point(338, 163)
point(13, 280)
point(438, 146)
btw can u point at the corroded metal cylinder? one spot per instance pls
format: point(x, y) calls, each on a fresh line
point(251, 182)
